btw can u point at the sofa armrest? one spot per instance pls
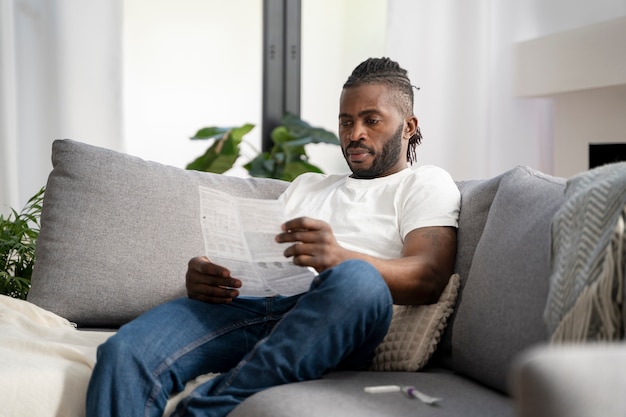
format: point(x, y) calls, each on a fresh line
point(570, 381)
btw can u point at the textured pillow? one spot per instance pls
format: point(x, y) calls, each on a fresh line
point(117, 232)
point(500, 312)
point(415, 332)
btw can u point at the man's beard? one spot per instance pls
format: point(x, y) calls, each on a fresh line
point(382, 163)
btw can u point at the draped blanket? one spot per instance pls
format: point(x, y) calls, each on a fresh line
point(586, 296)
point(45, 363)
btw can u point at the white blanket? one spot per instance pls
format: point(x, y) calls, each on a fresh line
point(45, 363)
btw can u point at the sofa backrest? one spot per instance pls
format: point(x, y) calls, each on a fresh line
point(104, 273)
point(503, 260)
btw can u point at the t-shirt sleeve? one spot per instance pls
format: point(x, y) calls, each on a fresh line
point(429, 198)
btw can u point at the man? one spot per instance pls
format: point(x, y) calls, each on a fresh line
point(384, 234)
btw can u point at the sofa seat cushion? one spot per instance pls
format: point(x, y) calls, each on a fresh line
point(341, 394)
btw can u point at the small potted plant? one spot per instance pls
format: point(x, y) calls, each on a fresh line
point(18, 237)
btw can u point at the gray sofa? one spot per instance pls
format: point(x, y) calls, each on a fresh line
point(117, 232)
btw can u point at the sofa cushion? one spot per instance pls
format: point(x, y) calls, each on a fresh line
point(341, 394)
point(415, 332)
point(500, 311)
point(117, 232)
point(476, 199)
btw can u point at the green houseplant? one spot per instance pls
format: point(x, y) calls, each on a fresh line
point(286, 160)
point(18, 236)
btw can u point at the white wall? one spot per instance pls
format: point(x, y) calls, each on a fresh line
point(583, 72)
point(580, 116)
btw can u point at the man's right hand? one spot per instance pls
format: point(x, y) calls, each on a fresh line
point(209, 282)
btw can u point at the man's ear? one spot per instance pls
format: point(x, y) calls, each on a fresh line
point(410, 127)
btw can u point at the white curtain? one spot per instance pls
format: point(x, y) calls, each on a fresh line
point(460, 54)
point(60, 77)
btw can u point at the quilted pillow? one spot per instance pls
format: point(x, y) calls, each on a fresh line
point(415, 332)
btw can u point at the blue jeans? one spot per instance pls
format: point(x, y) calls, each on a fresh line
point(254, 343)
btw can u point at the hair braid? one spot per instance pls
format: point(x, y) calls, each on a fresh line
point(388, 72)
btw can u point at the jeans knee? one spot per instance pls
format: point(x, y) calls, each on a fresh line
point(357, 278)
point(118, 350)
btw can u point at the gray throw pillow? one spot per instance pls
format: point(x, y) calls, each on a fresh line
point(500, 310)
point(117, 232)
point(476, 199)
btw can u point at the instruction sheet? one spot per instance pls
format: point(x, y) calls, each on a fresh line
point(239, 235)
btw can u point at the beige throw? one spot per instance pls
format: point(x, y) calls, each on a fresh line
point(586, 298)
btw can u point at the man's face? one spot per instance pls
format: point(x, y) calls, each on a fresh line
point(372, 132)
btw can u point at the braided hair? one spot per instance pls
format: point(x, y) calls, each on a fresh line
point(388, 72)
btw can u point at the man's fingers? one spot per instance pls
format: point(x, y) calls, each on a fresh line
point(213, 300)
point(212, 294)
point(211, 283)
point(302, 223)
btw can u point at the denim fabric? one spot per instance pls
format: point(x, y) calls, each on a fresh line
point(254, 344)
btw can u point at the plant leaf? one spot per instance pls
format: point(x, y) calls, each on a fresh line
point(223, 152)
point(299, 129)
point(280, 135)
point(210, 132)
point(18, 236)
point(262, 166)
point(218, 158)
point(293, 169)
point(239, 132)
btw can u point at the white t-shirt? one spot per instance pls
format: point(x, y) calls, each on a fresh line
point(374, 216)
